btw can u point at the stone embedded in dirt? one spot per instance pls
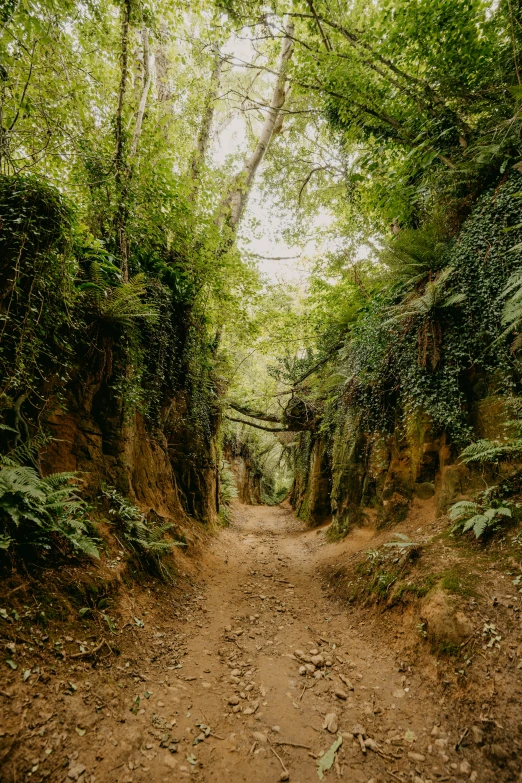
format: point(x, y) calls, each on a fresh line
point(318, 674)
point(444, 622)
point(228, 628)
point(302, 670)
point(260, 737)
point(75, 771)
point(340, 694)
point(276, 729)
point(284, 776)
point(315, 651)
point(416, 756)
point(318, 660)
point(235, 673)
point(309, 668)
point(497, 752)
point(346, 681)
point(465, 767)
point(331, 722)
point(233, 700)
point(236, 708)
point(371, 744)
point(328, 662)
point(477, 734)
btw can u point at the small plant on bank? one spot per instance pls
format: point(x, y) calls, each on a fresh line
point(42, 512)
point(227, 484)
point(479, 516)
point(145, 540)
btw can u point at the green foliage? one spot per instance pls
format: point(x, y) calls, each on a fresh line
point(143, 538)
point(485, 451)
point(227, 484)
point(420, 94)
point(477, 516)
point(45, 513)
point(512, 313)
point(36, 273)
point(419, 358)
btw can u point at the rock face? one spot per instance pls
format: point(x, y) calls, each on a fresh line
point(312, 487)
point(171, 476)
point(246, 476)
point(445, 624)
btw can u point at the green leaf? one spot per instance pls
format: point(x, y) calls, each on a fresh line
point(477, 519)
point(326, 761)
point(11, 663)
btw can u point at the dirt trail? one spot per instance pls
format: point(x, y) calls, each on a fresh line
point(235, 672)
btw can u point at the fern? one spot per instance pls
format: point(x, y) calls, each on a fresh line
point(469, 515)
point(490, 451)
point(25, 453)
point(512, 313)
point(140, 535)
point(227, 484)
point(36, 511)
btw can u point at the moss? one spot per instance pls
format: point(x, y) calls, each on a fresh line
point(417, 589)
point(458, 581)
point(448, 649)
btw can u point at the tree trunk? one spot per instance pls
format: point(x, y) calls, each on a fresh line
point(234, 203)
point(147, 78)
point(120, 143)
point(206, 122)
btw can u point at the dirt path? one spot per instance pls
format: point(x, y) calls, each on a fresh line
point(223, 700)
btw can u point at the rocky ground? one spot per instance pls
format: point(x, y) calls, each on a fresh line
point(254, 673)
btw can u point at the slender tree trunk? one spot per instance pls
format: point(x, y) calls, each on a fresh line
point(235, 200)
point(206, 122)
point(147, 79)
point(120, 143)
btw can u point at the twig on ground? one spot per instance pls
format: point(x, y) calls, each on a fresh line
point(278, 757)
point(462, 736)
point(292, 744)
point(89, 653)
point(15, 590)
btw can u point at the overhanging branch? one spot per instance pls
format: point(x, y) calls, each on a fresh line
point(259, 426)
point(254, 414)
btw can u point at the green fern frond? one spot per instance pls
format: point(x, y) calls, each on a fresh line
point(34, 509)
point(490, 451)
